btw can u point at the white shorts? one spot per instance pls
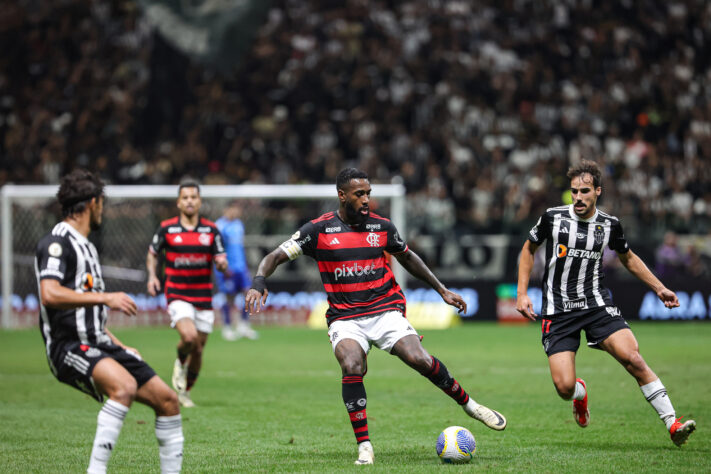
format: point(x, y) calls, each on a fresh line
point(203, 318)
point(383, 331)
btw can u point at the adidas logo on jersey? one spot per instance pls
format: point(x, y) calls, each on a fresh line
point(335, 241)
point(564, 230)
point(178, 240)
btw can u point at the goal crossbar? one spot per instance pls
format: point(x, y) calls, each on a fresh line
point(12, 193)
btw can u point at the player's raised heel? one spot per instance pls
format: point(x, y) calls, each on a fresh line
point(180, 377)
point(580, 408)
point(185, 400)
point(491, 418)
point(365, 454)
point(680, 431)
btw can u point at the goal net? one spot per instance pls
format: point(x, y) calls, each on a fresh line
point(271, 213)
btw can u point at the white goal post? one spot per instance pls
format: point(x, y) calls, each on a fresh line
point(13, 196)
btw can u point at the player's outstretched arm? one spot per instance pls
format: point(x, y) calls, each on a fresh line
point(636, 266)
point(256, 297)
point(417, 268)
point(525, 266)
point(57, 296)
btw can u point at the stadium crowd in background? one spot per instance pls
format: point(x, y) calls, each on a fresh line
point(479, 107)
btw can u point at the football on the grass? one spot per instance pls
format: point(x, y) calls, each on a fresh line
point(456, 445)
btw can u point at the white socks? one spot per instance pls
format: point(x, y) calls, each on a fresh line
point(169, 432)
point(580, 392)
point(656, 395)
point(108, 427)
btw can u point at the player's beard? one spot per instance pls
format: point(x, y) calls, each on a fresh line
point(353, 215)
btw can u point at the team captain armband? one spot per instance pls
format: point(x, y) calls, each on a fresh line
point(291, 249)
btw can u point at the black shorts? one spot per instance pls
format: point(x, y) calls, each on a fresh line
point(73, 363)
point(561, 332)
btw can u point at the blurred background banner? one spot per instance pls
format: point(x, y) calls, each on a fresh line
point(216, 32)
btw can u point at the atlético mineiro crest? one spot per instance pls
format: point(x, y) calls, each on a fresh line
point(599, 234)
point(373, 239)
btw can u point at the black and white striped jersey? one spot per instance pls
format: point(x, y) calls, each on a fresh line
point(573, 275)
point(68, 257)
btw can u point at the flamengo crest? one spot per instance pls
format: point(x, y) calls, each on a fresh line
point(373, 239)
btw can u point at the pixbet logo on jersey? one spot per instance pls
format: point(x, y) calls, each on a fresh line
point(354, 270)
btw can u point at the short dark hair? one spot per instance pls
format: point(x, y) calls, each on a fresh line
point(347, 174)
point(189, 184)
point(589, 167)
point(76, 189)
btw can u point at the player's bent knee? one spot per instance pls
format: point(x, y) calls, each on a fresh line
point(124, 392)
point(565, 388)
point(352, 366)
point(422, 362)
point(169, 405)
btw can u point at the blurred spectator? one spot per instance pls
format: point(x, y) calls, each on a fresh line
point(501, 97)
point(671, 261)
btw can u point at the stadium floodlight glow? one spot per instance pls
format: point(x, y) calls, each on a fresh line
point(25, 195)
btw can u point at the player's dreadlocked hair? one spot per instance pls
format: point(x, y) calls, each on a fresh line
point(589, 167)
point(347, 174)
point(76, 190)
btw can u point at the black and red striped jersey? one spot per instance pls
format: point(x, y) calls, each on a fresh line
point(354, 268)
point(189, 254)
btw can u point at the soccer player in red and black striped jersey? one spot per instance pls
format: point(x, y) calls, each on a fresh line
point(191, 243)
point(366, 305)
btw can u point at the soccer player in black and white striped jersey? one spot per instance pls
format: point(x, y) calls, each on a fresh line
point(81, 352)
point(574, 298)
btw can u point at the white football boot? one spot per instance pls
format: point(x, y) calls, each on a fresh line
point(491, 418)
point(365, 453)
point(185, 400)
point(180, 376)
point(244, 329)
point(229, 334)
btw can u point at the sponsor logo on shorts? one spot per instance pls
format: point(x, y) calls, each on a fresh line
point(614, 311)
point(90, 351)
point(575, 304)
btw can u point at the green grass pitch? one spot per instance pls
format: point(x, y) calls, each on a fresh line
point(274, 405)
